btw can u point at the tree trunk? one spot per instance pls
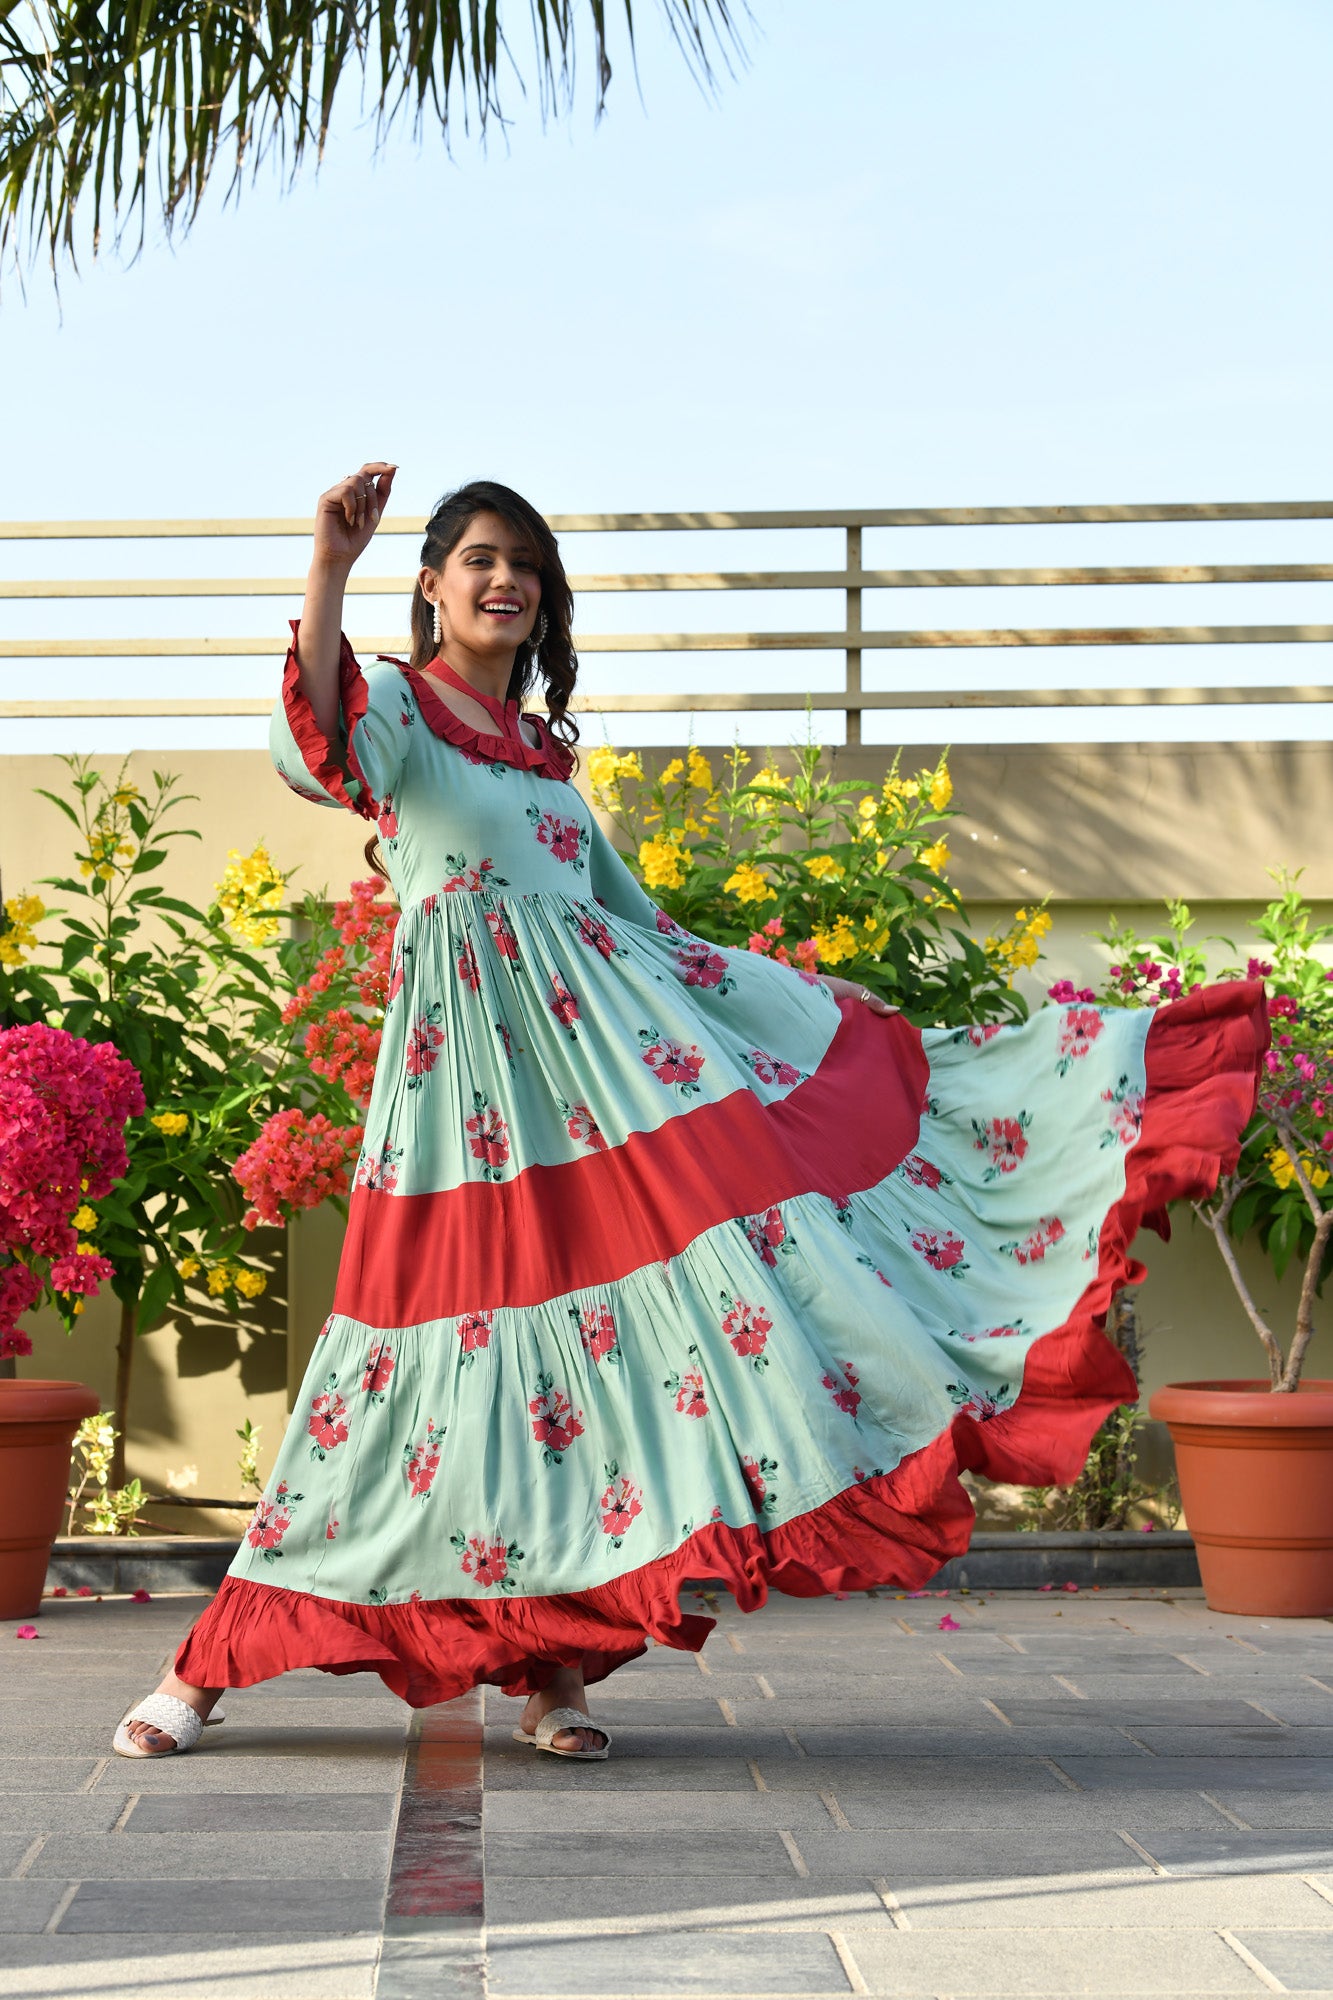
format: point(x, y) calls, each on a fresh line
point(129, 1320)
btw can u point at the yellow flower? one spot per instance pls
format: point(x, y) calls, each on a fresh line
point(701, 771)
point(125, 795)
point(670, 772)
point(662, 862)
point(84, 1219)
point(824, 868)
point(748, 885)
point(250, 888)
point(935, 857)
point(79, 1306)
point(941, 789)
point(189, 1267)
point(839, 943)
point(1283, 1170)
point(173, 1123)
point(607, 769)
point(17, 935)
point(105, 872)
point(218, 1280)
point(896, 789)
point(250, 1283)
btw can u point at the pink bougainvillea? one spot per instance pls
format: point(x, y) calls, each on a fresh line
point(63, 1107)
point(295, 1163)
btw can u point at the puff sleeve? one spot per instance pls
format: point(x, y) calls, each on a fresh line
point(362, 767)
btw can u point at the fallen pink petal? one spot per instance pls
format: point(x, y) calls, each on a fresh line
point(60, 1591)
point(146, 1597)
point(1069, 1586)
point(947, 1624)
point(29, 1632)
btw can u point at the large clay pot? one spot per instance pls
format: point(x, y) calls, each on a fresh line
point(1256, 1480)
point(37, 1425)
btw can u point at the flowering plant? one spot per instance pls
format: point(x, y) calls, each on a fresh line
point(818, 873)
point(1277, 1192)
point(186, 996)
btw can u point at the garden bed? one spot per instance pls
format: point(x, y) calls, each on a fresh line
point(1161, 1561)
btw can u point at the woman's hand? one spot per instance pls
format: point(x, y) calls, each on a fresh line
point(348, 514)
point(847, 989)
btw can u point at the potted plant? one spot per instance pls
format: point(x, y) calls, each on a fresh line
point(64, 1103)
point(1254, 1457)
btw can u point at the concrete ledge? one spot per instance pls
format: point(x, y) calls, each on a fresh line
point(1161, 1561)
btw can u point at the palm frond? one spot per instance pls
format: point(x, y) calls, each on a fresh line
point(111, 111)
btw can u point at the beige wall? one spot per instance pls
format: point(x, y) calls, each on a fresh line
point(1097, 829)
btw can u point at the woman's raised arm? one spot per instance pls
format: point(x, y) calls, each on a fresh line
point(345, 519)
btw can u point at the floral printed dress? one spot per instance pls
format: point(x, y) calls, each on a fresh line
point(661, 1261)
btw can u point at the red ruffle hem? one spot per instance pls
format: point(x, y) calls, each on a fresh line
point(896, 1530)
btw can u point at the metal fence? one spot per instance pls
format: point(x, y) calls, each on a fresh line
point(853, 640)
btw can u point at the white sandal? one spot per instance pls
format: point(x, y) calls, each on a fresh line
point(169, 1714)
point(559, 1719)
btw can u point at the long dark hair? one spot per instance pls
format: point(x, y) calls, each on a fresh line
point(555, 663)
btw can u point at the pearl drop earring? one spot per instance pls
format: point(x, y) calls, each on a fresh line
point(538, 633)
point(436, 627)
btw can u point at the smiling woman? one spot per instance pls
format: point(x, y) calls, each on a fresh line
point(663, 1260)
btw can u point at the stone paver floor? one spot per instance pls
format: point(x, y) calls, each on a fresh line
point(1093, 1794)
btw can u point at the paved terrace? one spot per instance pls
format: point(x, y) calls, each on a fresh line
point(1069, 1794)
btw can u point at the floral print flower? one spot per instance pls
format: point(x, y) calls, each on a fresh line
point(1005, 1139)
point(468, 969)
point(483, 876)
point(669, 927)
point(700, 964)
point(767, 1235)
point(564, 839)
point(380, 1365)
point(505, 1033)
point(387, 819)
point(978, 1036)
point(489, 1560)
point(759, 1478)
point(871, 1265)
point(978, 1404)
point(747, 1327)
point(842, 1387)
point(688, 1388)
point(1016, 1329)
point(1078, 1031)
point(582, 1126)
point(597, 1331)
point(918, 1172)
point(771, 1069)
point(395, 981)
point(555, 1422)
point(591, 931)
point(327, 1421)
point(672, 1062)
point(943, 1251)
point(424, 1041)
point(1048, 1232)
point(474, 1331)
point(1126, 1114)
point(378, 1172)
point(488, 1136)
point(331, 1527)
point(620, 1505)
point(271, 1520)
point(842, 1209)
point(421, 1460)
point(564, 1005)
point(502, 933)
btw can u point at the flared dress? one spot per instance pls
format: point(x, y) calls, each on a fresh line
point(664, 1263)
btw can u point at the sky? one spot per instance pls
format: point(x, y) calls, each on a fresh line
point(911, 252)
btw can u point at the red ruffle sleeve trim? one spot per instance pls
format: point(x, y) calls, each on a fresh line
point(324, 760)
point(894, 1530)
point(549, 759)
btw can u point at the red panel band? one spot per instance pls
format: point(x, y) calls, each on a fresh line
point(587, 1222)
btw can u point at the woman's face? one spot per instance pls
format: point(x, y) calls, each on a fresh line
point(489, 591)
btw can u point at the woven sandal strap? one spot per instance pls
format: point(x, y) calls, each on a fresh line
point(557, 1719)
point(173, 1716)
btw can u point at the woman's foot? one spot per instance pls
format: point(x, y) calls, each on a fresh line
point(156, 1741)
point(564, 1690)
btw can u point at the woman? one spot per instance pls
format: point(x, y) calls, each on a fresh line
point(663, 1261)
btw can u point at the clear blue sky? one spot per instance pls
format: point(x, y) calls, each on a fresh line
point(941, 252)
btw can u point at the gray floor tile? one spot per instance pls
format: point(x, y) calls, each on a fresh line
point(13, 1846)
point(956, 1804)
point(1301, 1959)
point(26, 1775)
point(984, 1737)
point(927, 1854)
point(28, 1906)
point(1110, 1666)
point(642, 1854)
point(677, 1962)
point(528, 1772)
point(1255, 1738)
point(639, 1743)
point(136, 1856)
point(233, 1907)
point(265, 1812)
point(179, 1966)
point(625, 1711)
point(641, 1812)
point(1015, 1770)
point(53, 1812)
point(1228, 1853)
point(1279, 1811)
point(1123, 1710)
point(655, 1904)
point(218, 1769)
point(993, 1962)
point(1074, 1902)
point(1219, 1774)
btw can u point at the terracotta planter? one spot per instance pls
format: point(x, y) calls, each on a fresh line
point(37, 1425)
point(1256, 1479)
